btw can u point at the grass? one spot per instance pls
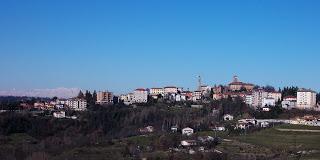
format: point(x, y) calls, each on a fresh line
point(220, 134)
point(285, 141)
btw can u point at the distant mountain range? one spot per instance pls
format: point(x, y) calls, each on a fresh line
point(58, 92)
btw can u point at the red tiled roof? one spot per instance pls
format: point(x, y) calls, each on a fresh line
point(140, 89)
point(289, 97)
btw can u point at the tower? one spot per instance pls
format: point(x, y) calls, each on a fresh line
point(199, 83)
point(235, 79)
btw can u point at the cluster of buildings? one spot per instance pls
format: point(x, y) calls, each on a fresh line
point(248, 92)
point(171, 93)
point(262, 98)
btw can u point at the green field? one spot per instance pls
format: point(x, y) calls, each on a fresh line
point(285, 142)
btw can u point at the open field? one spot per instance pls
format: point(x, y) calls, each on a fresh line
point(286, 142)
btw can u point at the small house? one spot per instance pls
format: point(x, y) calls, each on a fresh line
point(187, 131)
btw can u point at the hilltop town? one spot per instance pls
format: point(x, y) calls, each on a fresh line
point(154, 122)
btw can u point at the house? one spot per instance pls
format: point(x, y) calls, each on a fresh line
point(187, 131)
point(219, 128)
point(170, 90)
point(174, 129)
point(227, 117)
point(196, 96)
point(155, 92)
point(140, 95)
point(264, 124)
point(306, 99)
point(148, 129)
point(61, 114)
point(188, 143)
point(127, 99)
point(205, 89)
point(268, 102)
point(265, 109)
point(289, 102)
point(187, 95)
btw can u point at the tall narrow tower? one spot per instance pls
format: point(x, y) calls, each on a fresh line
point(199, 83)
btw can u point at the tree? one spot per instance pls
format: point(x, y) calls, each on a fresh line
point(80, 95)
point(269, 88)
point(88, 97)
point(94, 96)
point(318, 97)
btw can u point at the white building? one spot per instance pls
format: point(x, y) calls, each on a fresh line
point(205, 89)
point(127, 98)
point(259, 95)
point(104, 97)
point(156, 91)
point(140, 95)
point(275, 95)
point(187, 131)
point(306, 99)
point(248, 99)
point(268, 102)
point(196, 95)
point(170, 90)
point(60, 114)
point(289, 102)
point(227, 117)
point(188, 143)
point(77, 104)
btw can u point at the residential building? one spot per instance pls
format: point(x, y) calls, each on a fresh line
point(260, 96)
point(61, 114)
point(148, 129)
point(187, 94)
point(170, 90)
point(275, 95)
point(156, 91)
point(205, 89)
point(188, 143)
point(248, 99)
point(104, 97)
point(77, 104)
point(289, 102)
point(127, 98)
point(140, 95)
point(306, 99)
point(227, 117)
point(268, 102)
point(187, 131)
point(196, 95)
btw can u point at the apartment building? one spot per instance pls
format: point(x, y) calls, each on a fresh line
point(140, 95)
point(104, 97)
point(306, 99)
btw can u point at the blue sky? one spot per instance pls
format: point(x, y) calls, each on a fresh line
point(121, 45)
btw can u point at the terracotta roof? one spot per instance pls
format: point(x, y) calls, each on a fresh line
point(289, 97)
point(140, 89)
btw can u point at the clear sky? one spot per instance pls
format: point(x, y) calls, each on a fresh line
point(121, 45)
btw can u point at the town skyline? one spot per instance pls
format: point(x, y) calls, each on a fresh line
point(63, 92)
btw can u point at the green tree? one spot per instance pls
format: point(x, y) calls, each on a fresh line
point(80, 95)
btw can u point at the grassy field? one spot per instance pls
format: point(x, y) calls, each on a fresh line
point(285, 142)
